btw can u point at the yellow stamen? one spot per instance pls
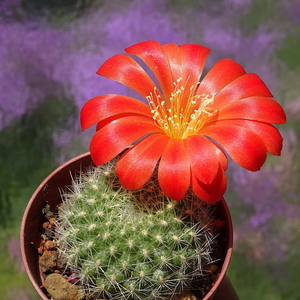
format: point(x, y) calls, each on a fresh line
point(181, 116)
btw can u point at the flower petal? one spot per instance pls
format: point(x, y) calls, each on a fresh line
point(124, 69)
point(153, 55)
point(269, 134)
point(253, 108)
point(243, 145)
point(173, 54)
point(174, 170)
point(213, 192)
point(221, 74)
point(203, 158)
point(105, 106)
point(114, 137)
point(245, 86)
point(222, 157)
point(141, 159)
point(193, 60)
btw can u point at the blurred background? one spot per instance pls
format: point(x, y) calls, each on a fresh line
point(49, 53)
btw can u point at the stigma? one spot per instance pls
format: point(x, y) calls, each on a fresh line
point(184, 113)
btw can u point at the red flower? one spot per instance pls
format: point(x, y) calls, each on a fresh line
point(186, 124)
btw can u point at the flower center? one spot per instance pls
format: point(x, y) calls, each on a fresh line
point(184, 113)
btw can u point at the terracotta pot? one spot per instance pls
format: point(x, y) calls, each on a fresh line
point(49, 192)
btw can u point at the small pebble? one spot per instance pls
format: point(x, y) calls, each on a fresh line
point(41, 250)
point(49, 233)
point(49, 245)
point(45, 224)
point(52, 221)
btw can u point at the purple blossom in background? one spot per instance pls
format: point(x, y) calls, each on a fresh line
point(13, 247)
point(267, 216)
point(218, 26)
point(260, 193)
point(292, 109)
point(10, 9)
point(238, 5)
point(253, 51)
point(28, 59)
point(38, 61)
point(100, 35)
point(7, 5)
point(142, 20)
point(292, 8)
point(13, 87)
point(286, 170)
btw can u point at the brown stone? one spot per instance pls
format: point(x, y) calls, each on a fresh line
point(47, 261)
point(57, 271)
point(60, 289)
point(45, 224)
point(52, 221)
point(187, 295)
point(49, 245)
point(211, 268)
point(40, 250)
point(61, 262)
point(49, 251)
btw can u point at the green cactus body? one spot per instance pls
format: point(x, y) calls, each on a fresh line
point(122, 248)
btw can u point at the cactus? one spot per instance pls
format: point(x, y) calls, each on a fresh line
point(132, 244)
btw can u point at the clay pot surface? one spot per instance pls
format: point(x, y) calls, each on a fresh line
point(48, 192)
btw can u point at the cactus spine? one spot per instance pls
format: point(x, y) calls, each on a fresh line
point(132, 245)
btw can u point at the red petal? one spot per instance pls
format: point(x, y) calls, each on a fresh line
point(114, 137)
point(135, 168)
point(153, 55)
point(105, 106)
point(253, 108)
point(246, 86)
point(174, 170)
point(213, 192)
point(243, 145)
point(173, 54)
point(268, 133)
point(221, 74)
point(203, 158)
point(222, 158)
point(124, 69)
point(193, 61)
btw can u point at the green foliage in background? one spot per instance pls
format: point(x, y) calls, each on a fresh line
point(28, 154)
